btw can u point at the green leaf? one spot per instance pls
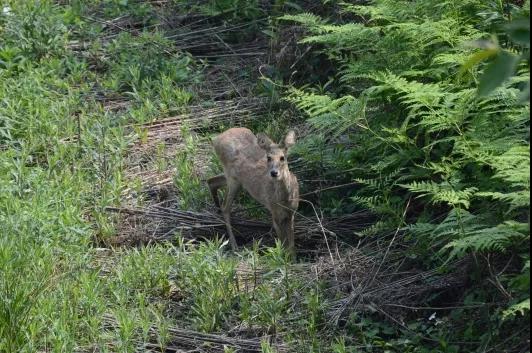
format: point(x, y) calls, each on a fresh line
point(519, 31)
point(476, 58)
point(497, 72)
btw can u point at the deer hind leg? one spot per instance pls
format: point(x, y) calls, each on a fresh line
point(232, 189)
point(215, 183)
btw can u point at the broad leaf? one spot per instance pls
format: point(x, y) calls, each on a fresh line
point(497, 72)
point(519, 31)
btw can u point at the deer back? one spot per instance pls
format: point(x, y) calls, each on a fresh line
point(244, 161)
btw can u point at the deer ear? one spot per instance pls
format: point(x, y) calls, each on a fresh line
point(290, 139)
point(264, 141)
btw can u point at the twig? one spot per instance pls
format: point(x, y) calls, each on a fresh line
point(324, 235)
point(330, 188)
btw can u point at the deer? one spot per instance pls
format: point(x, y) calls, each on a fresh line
point(260, 166)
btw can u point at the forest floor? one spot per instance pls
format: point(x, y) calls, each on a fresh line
point(111, 196)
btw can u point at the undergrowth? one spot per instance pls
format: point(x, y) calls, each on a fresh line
point(427, 112)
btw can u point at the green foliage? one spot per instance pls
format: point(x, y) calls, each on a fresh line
point(19, 302)
point(504, 62)
point(426, 114)
point(136, 64)
point(233, 10)
point(146, 270)
point(401, 117)
point(309, 20)
point(61, 164)
point(330, 117)
point(436, 131)
point(208, 278)
point(497, 239)
point(517, 309)
point(186, 179)
point(32, 30)
point(444, 192)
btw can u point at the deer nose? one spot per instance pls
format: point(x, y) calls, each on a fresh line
point(274, 173)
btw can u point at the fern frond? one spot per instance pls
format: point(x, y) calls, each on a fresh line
point(379, 183)
point(517, 309)
point(374, 229)
point(328, 116)
point(307, 19)
point(421, 228)
point(513, 166)
point(444, 192)
point(404, 10)
point(498, 238)
point(457, 221)
point(371, 203)
point(346, 36)
point(415, 95)
point(446, 32)
point(516, 199)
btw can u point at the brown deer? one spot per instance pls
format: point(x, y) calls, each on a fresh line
point(261, 167)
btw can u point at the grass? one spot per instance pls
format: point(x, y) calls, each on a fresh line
point(192, 192)
point(54, 188)
point(63, 160)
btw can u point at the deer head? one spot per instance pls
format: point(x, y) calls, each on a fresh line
point(276, 154)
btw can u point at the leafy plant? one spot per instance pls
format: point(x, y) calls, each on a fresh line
point(422, 120)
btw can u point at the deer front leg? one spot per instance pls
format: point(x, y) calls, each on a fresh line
point(215, 183)
point(290, 234)
point(232, 189)
point(284, 227)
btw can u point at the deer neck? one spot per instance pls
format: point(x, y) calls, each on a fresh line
point(283, 189)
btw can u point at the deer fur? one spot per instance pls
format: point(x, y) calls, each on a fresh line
point(260, 166)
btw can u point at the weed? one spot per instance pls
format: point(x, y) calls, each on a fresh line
point(209, 278)
point(191, 190)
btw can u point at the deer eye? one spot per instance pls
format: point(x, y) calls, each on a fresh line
point(269, 159)
point(282, 159)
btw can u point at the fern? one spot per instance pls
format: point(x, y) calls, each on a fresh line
point(307, 19)
point(466, 232)
point(498, 238)
point(456, 223)
point(375, 229)
point(516, 199)
point(343, 36)
point(330, 117)
point(513, 167)
point(403, 10)
point(369, 202)
point(443, 192)
point(377, 184)
point(421, 116)
point(425, 35)
point(415, 95)
point(517, 309)
point(404, 102)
